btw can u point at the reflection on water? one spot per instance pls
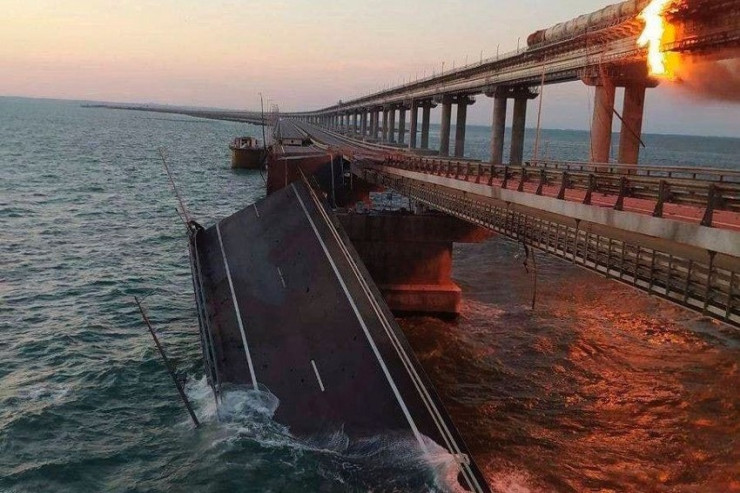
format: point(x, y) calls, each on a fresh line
point(601, 388)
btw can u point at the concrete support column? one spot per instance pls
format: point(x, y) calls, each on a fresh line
point(460, 124)
point(392, 125)
point(355, 116)
point(498, 130)
point(444, 135)
point(414, 121)
point(425, 117)
point(601, 126)
point(516, 155)
point(631, 132)
point(402, 125)
point(363, 124)
point(384, 130)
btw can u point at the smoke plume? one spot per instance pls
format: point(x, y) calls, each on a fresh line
point(717, 80)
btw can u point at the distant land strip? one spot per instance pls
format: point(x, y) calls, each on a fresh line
point(232, 116)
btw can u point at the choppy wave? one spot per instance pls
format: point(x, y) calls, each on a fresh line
point(388, 462)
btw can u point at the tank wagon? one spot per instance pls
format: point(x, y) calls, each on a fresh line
point(609, 16)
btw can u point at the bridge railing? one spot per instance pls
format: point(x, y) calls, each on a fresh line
point(707, 283)
point(707, 189)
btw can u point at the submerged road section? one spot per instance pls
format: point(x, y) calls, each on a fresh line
point(286, 306)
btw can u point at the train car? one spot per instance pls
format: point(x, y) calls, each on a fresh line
point(606, 17)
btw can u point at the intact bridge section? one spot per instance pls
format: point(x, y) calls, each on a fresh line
point(672, 232)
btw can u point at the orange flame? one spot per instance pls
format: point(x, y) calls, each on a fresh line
point(652, 35)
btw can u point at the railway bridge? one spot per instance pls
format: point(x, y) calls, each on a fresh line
point(600, 49)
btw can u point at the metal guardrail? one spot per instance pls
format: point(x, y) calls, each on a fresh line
point(699, 282)
point(707, 188)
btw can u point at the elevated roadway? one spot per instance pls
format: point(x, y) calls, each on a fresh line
point(599, 48)
point(673, 232)
point(287, 308)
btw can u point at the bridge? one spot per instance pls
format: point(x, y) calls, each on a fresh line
point(601, 49)
point(296, 293)
point(670, 231)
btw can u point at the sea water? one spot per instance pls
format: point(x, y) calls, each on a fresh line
point(600, 387)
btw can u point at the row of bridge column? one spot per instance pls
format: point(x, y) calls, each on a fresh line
point(380, 124)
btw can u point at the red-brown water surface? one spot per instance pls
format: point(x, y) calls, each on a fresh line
point(600, 388)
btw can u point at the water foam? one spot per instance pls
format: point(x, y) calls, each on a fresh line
point(391, 461)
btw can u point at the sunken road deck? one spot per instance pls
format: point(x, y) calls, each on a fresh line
point(286, 304)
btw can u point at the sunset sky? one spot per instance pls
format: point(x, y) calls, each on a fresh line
point(301, 54)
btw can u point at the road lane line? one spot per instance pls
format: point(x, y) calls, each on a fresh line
point(236, 308)
point(318, 377)
point(374, 347)
point(441, 424)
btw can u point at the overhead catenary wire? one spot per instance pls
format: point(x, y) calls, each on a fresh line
point(183, 209)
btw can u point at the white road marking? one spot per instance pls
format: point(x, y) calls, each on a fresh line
point(236, 308)
point(375, 349)
point(256, 211)
point(318, 377)
point(282, 279)
point(420, 387)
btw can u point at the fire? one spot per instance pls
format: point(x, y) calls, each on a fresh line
point(652, 35)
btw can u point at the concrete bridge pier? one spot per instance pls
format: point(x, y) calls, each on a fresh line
point(498, 130)
point(384, 132)
point(516, 155)
point(460, 125)
point(374, 124)
point(401, 124)
point(410, 258)
point(501, 95)
point(601, 124)
point(363, 123)
point(631, 131)
point(392, 125)
point(444, 133)
point(413, 123)
point(426, 111)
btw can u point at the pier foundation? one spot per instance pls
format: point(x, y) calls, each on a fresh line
point(410, 257)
